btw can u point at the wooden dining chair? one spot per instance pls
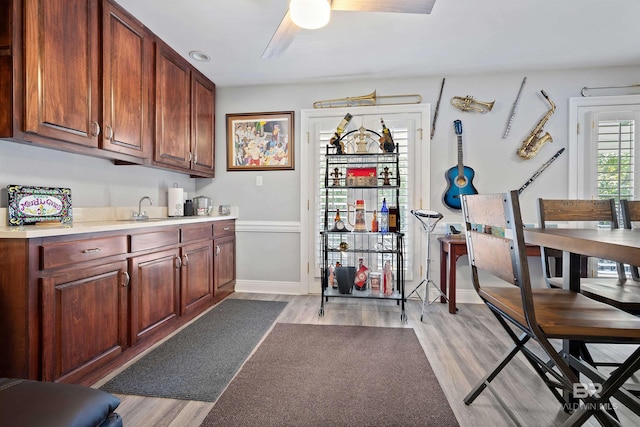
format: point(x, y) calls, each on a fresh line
point(544, 314)
point(616, 291)
point(630, 214)
point(580, 211)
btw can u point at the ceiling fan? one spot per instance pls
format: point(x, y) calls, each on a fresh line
point(287, 29)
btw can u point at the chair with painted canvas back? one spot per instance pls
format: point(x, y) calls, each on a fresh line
point(575, 211)
point(544, 314)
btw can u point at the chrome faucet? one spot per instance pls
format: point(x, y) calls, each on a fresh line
point(140, 215)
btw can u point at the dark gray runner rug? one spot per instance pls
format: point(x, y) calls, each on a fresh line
point(198, 362)
point(316, 375)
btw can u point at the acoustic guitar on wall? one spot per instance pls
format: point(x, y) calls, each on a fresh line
point(459, 177)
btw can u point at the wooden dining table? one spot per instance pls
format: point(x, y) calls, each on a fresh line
point(620, 245)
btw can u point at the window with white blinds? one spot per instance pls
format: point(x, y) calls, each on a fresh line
point(616, 154)
point(616, 175)
point(603, 154)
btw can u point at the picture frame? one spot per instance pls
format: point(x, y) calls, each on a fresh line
point(260, 141)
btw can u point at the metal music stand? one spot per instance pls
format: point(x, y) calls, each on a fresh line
point(428, 220)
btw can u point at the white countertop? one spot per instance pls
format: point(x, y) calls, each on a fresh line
point(104, 222)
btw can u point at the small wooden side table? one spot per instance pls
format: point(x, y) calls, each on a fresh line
point(452, 248)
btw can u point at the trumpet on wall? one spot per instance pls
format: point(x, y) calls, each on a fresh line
point(470, 104)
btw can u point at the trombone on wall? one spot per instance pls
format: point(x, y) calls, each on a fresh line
point(368, 100)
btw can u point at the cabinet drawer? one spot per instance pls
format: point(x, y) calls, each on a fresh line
point(224, 228)
point(196, 232)
point(156, 239)
point(77, 251)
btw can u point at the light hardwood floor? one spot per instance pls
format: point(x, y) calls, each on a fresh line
point(460, 349)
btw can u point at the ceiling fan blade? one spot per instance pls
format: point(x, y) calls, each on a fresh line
point(398, 6)
point(282, 38)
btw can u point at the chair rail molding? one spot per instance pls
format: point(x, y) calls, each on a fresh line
point(268, 226)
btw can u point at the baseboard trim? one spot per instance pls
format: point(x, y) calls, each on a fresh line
point(463, 296)
point(268, 287)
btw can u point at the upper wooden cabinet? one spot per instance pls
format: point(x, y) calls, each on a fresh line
point(185, 100)
point(80, 76)
point(203, 94)
point(173, 133)
point(61, 48)
point(127, 119)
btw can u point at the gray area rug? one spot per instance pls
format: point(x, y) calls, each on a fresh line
point(316, 375)
point(200, 361)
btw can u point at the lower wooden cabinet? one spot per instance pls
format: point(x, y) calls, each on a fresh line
point(196, 277)
point(225, 261)
point(154, 294)
point(72, 308)
point(84, 320)
point(224, 269)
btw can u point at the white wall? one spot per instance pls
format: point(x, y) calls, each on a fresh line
point(93, 182)
point(497, 166)
point(269, 257)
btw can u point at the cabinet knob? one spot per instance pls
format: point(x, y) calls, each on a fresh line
point(178, 262)
point(195, 159)
point(127, 279)
point(186, 260)
point(189, 156)
point(95, 129)
point(217, 250)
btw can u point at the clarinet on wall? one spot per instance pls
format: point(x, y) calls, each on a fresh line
point(539, 171)
point(435, 112)
point(513, 109)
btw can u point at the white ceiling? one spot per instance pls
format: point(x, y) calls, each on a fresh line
point(458, 37)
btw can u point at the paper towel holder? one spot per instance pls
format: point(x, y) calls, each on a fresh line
point(175, 201)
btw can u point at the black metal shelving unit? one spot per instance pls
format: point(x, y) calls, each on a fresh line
point(347, 247)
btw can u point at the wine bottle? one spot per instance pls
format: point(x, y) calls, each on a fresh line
point(374, 223)
point(386, 142)
point(335, 139)
point(343, 124)
point(384, 217)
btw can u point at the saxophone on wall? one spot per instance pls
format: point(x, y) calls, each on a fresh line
point(534, 141)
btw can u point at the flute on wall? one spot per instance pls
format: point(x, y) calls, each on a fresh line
point(435, 112)
point(540, 170)
point(513, 109)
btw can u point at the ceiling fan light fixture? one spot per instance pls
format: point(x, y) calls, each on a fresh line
point(310, 14)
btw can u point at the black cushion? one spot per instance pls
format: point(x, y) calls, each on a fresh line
point(33, 403)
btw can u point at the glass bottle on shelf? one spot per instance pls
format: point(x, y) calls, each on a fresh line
point(384, 217)
point(374, 222)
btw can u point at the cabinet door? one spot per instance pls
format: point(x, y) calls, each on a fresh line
point(154, 292)
point(197, 276)
point(225, 263)
point(84, 320)
point(126, 63)
point(202, 124)
point(61, 49)
point(173, 84)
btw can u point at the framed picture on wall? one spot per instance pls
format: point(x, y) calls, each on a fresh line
point(260, 141)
